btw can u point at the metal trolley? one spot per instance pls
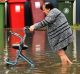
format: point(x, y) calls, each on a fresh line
point(21, 46)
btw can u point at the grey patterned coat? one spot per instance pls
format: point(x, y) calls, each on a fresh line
point(58, 29)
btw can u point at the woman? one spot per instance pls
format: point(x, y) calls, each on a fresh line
point(58, 30)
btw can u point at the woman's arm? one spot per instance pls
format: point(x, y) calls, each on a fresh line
point(49, 19)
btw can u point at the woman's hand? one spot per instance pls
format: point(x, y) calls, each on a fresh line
point(32, 27)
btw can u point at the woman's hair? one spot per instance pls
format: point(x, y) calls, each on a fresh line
point(48, 5)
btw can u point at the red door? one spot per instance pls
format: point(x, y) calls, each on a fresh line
point(38, 39)
point(16, 20)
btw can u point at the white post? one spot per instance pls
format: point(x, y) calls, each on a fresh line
point(74, 12)
point(74, 44)
point(74, 32)
point(6, 47)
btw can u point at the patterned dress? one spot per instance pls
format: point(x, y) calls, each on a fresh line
point(58, 30)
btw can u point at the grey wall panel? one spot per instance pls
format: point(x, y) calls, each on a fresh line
point(78, 43)
point(78, 11)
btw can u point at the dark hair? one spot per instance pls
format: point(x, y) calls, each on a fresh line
point(48, 5)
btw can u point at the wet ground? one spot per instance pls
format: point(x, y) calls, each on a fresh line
point(45, 63)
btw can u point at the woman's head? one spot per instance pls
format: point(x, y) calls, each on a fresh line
point(46, 7)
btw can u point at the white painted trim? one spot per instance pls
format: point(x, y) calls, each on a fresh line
point(74, 46)
point(74, 12)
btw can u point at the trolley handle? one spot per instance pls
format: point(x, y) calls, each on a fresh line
point(16, 34)
point(26, 29)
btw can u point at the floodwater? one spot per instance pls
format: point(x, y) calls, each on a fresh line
point(46, 62)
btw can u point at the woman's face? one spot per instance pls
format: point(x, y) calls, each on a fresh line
point(46, 11)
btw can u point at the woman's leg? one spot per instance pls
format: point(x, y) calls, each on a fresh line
point(63, 57)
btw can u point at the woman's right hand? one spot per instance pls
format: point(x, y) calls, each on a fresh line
point(32, 27)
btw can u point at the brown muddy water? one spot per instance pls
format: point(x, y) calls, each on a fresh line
point(45, 63)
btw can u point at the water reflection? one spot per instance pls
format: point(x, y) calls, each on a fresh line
point(46, 63)
point(62, 69)
point(54, 69)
